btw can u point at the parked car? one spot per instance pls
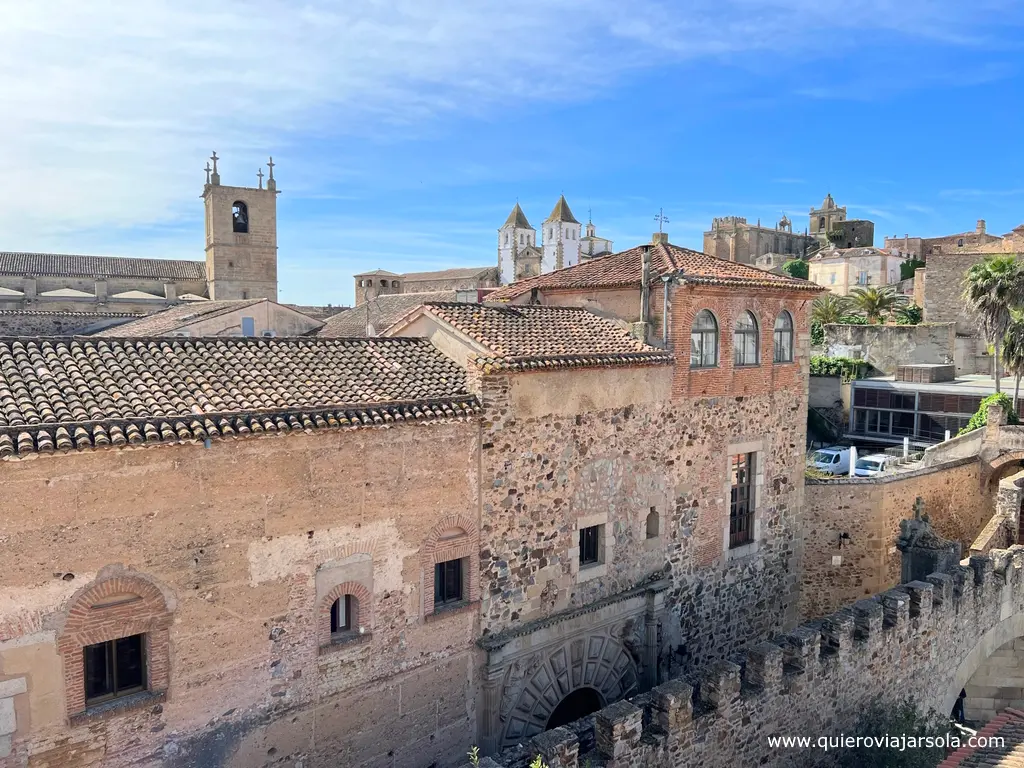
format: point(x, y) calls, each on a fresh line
point(832, 461)
point(871, 465)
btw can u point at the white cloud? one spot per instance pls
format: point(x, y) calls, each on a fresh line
point(110, 108)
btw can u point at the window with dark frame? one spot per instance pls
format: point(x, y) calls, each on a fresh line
point(783, 338)
point(744, 337)
point(342, 614)
point(115, 669)
point(590, 550)
point(704, 341)
point(447, 582)
point(741, 507)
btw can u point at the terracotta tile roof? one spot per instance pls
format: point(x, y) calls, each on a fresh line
point(624, 269)
point(165, 321)
point(451, 274)
point(58, 313)
point(77, 392)
point(384, 311)
point(527, 337)
point(70, 265)
point(1010, 726)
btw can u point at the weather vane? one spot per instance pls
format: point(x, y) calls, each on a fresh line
point(662, 219)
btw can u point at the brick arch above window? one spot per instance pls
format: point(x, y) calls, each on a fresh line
point(454, 538)
point(117, 604)
point(364, 602)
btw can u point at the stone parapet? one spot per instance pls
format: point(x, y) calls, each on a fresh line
point(814, 681)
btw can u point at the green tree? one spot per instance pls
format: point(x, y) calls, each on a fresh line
point(880, 719)
point(1013, 353)
point(797, 268)
point(877, 302)
point(829, 308)
point(991, 289)
point(909, 267)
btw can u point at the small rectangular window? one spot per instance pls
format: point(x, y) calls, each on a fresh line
point(741, 505)
point(248, 326)
point(448, 582)
point(114, 669)
point(590, 549)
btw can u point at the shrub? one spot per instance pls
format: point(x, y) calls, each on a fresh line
point(880, 719)
point(909, 315)
point(846, 367)
point(797, 268)
point(817, 333)
point(980, 417)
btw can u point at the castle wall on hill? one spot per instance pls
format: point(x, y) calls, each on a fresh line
point(925, 640)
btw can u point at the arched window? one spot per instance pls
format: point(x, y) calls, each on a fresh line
point(784, 337)
point(240, 216)
point(345, 614)
point(744, 340)
point(506, 238)
point(653, 524)
point(383, 283)
point(704, 341)
point(821, 222)
point(115, 642)
point(449, 578)
point(960, 243)
point(394, 283)
point(521, 238)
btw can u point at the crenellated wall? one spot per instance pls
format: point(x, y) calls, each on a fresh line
point(923, 639)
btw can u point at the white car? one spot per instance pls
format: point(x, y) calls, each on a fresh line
point(871, 465)
point(832, 461)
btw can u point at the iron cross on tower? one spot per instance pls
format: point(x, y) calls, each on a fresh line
point(662, 219)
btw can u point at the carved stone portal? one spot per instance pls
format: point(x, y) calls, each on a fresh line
point(610, 647)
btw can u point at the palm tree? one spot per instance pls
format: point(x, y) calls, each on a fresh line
point(991, 289)
point(830, 308)
point(1013, 352)
point(877, 302)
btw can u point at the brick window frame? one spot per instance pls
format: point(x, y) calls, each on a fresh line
point(454, 538)
point(363, 623)
point(145, 610)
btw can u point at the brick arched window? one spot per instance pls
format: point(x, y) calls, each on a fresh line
point(449, 557)
point(115, 644)
point(345, 613)
point(704, 340)
point(239, 217)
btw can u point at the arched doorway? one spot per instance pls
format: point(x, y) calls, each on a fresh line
point(579, 703)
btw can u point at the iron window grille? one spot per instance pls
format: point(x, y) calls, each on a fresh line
point(741, 506)
point(590, 545)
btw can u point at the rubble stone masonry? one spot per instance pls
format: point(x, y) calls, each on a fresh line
point(869, 511)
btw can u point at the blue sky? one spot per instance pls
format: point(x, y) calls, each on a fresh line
point(404, 131)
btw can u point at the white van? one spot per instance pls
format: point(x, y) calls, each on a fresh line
point(871, 465)
point(833, 461)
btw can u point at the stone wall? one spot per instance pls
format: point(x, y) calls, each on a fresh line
point(16, 322)
point(247, 538)
point(886, 346)
point(943, 286)
point(814, 681)
point(869, 510)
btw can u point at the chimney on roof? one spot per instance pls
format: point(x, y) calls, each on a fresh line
point(659, 237)
point(980, 229)
point(645, 288)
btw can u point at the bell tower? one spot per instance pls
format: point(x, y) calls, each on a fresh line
point(241, 237)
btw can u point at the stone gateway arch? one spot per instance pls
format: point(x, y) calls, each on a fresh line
point(924, 639)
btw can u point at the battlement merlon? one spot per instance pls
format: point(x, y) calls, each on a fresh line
point(788, 684)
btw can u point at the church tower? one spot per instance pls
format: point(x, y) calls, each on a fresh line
point(515, 236)
point(241, 237)
point(561, 233)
